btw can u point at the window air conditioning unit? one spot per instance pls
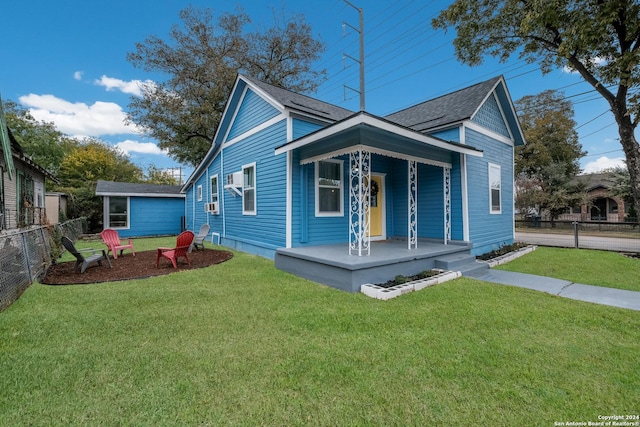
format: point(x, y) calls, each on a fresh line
point(234, 183)
point(211, 207)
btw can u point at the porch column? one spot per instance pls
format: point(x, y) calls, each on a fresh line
point(447, 204)
point(412, 220)
point(359, 178)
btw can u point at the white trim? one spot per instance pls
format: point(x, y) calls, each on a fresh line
point(373, 150)
point(481, 129)
point(494, 166)
point(211, 177)
point(254, 130)
point(365, 119)
point(107, 213)
point(255, 189)
point(288, 200)
point(235, 114)
point(465, 197)
point(316, 189)
point(199, 192)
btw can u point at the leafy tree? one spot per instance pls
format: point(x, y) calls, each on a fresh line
point(598, 39)
point(622, 188)
point(546, 166)
point(41, 141)
point(155, 175)
point(201, 61)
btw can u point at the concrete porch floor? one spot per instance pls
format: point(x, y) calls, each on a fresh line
point(332, 265)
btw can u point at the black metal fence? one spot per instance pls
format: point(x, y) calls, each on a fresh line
point(25, 256)
point(611, 236)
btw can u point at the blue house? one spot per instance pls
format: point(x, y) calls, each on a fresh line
point(343, 197)
point(137, 210)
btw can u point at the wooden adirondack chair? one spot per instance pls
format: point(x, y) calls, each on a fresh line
point(183, 243)
point(202, 234)
point(84, 261)
point(111, 238)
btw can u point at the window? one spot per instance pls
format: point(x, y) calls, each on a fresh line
point(495, 188)
point(214, 189)
point(249, 189)
point(118, 212)
point(329, 200)
point(199, 193)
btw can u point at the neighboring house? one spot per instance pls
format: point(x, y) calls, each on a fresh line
point(288, 174)
point(600, 204)
point(22, 185)
point(137, 210)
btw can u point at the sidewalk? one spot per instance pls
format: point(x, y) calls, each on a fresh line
point(564, 288)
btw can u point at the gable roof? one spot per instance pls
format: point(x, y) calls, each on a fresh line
point(450, 108)
point(110, 188)
point(298, 102)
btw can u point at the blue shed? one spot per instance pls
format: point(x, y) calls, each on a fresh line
point(138, 210)
point(346, 197)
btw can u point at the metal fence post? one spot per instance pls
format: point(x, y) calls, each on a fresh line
point(575, 233)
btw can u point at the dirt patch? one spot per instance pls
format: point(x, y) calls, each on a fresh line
point(128, 267)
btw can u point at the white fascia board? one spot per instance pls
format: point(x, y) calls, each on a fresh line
point(474, 126)
point(380, 124)
point(255, 130)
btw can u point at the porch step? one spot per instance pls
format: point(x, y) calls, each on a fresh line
point(463, 262)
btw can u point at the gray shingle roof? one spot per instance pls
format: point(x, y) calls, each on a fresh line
point(128, 188)
point(302, 103)
point(450, 108)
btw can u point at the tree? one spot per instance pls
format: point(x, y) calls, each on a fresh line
point(201, 61)
point(155, 175)
point(41, 141)
point(598, 39)
point(80, 171)
point(622, 188)
point(547, 165)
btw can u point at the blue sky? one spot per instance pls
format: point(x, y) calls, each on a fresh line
point(66, 62)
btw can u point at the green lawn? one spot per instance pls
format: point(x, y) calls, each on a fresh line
point(241, 343)
point(589, 267)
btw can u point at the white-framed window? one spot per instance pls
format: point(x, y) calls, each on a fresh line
point(118, 212)
point(495, 189)
point(249, 189)
point(199, 193)
point(214, 189)
point(329, 183)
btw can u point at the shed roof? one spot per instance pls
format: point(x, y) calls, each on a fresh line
point(111, 188)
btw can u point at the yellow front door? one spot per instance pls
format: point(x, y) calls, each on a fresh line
point(376, 208)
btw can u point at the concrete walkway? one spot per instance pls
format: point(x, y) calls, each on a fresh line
point(564, 288)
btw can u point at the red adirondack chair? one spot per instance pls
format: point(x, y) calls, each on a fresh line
point(111, 238)
point(183, 243)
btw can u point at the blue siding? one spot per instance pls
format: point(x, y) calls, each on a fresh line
point(154, 216)
point(452, 135)
point(489, 231)
point(302, 128)
point(252, 112)
point(430, 202)
point(267, 227)
point(489, 116)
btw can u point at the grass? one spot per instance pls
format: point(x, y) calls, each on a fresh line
point(589, 267)
point(242, 343)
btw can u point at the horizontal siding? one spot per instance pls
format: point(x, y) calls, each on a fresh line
point(302, 128)
point(252, 112)
point(489, 231)
point(267, 227)
point(452, 135)
point(430, 202)
point(153, 216)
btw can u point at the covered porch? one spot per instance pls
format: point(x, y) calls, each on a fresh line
point(332, 265)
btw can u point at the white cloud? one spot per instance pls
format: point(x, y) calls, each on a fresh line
point(603, 163)
point(596, 61)
point(129, 146)
point(133, 87)
point(99, 118)
point(78, 75)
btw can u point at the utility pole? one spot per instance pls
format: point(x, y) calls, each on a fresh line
point(361, 61)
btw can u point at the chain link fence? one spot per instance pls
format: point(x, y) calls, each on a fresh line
point(25, 256)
